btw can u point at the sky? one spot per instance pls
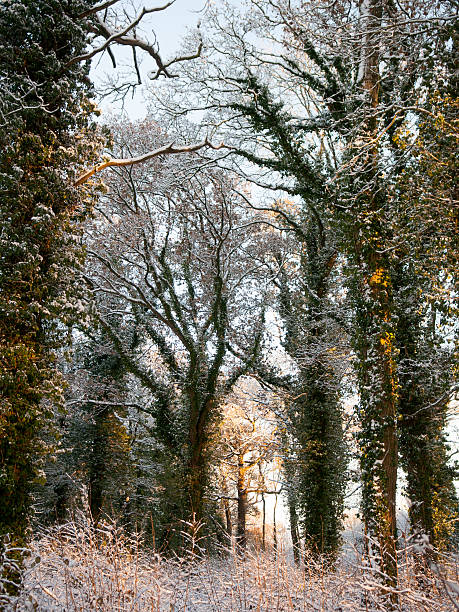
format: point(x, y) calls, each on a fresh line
point(170, 25)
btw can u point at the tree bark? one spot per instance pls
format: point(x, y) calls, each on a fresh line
point(229, 522)
point(275, 524)
point(242, 496)
point(227, 512)
point(263, 527)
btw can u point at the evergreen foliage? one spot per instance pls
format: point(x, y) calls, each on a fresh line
point(426, 279)
point(45, 135)
point(94, 458)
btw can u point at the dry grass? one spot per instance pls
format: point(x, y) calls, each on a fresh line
point(76, 568)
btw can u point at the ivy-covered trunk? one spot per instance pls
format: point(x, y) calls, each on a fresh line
point(24, 373)
point(319, 479)
point(196, 481)
point(425, 380)
point(321, 462)
point(378, 388)
point(197, 466)
point(430, 481)
point(372, 295)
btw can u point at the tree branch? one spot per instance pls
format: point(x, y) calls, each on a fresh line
point(169, 149)
point(108, 3)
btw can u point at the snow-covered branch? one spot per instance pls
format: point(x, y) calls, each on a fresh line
point(104, 5)
point(169, 149)
point(127, 35)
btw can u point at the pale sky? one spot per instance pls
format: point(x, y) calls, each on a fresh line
point(170, 25)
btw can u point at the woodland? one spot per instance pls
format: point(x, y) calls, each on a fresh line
point(243, 303)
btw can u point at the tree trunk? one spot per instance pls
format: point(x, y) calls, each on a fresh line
point(294, 532)
point(229, 522)
point(319, 475)
point(275, 524)
point(227, 511)
point(375, 346)
point(263, 527)
point(195, 480)
point(241, 537)
point(378, 386)
point(424, 379)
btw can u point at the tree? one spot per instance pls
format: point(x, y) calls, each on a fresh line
point(426, 280)
point(93, 465)
point(263, 132)
point(281, 158)
point(101, 444)
point(316, 460)
point(425, 366)
point(46, 136)
point(176, 252)
point(116, 24)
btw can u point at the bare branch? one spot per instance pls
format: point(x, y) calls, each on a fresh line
point(101, 28)
point(97, 8)
point(169, 149)
point(115, 36)
point(162, 69)
point(108, 3)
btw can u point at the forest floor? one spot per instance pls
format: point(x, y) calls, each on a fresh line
point(75, 568)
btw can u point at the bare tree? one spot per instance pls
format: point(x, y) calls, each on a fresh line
point(177, 249)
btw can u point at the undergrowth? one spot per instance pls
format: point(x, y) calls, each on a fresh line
point(78, 567)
